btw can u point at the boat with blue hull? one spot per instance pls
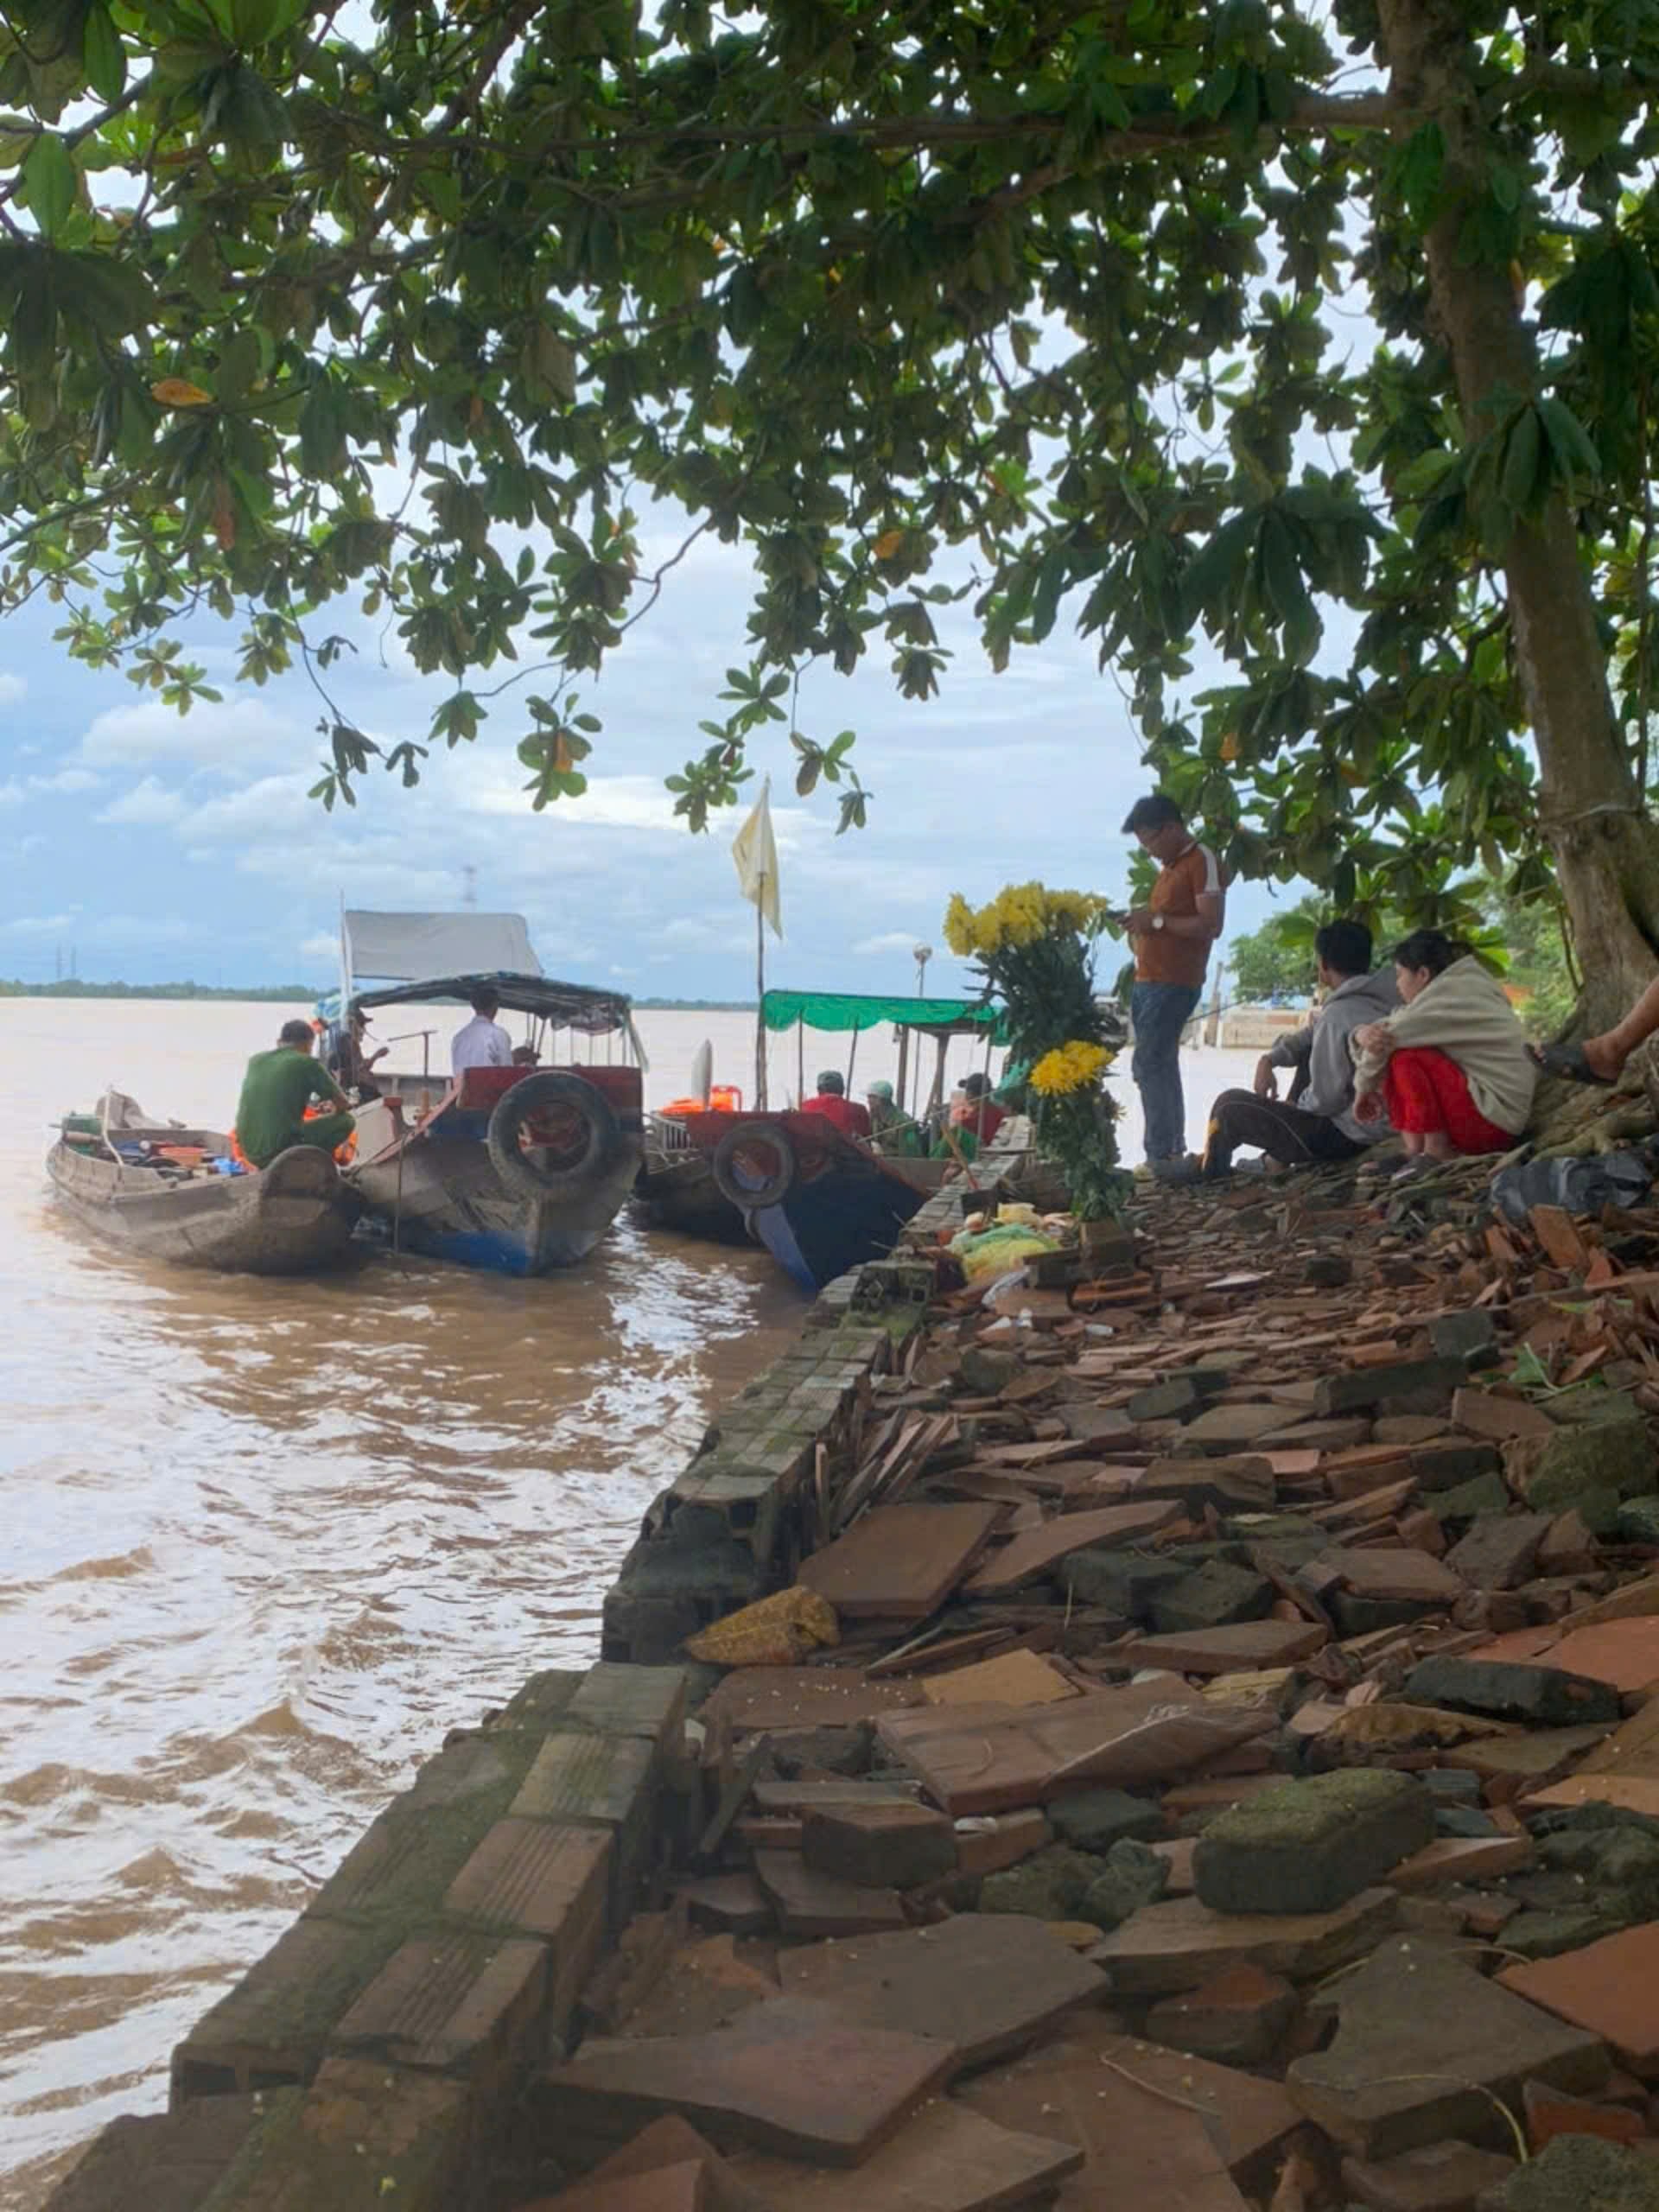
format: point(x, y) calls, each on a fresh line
point(520, 1170)
point(819, 1203)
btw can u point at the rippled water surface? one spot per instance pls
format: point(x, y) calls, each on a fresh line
point(261, 1544)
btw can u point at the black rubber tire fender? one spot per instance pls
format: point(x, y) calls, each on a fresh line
point(749, 1197)
point(537, 1094)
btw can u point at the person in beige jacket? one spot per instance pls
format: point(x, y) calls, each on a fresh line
point(1451, 1068)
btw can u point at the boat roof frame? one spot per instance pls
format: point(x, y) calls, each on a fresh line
point(566, 1005)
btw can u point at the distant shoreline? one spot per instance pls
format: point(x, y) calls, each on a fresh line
point(288, 994)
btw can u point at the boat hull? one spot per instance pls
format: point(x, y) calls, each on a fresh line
point(838, 1220)
point(676, 1189)
point(441, 1196)
point(295, 1218)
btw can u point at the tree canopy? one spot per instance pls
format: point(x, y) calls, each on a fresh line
point(1301, 356)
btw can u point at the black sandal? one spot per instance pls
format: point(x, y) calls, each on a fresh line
point(1568, 1060)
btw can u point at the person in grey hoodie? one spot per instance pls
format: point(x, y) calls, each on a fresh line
point(1321, 1124)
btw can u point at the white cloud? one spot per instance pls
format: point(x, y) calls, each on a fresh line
point(322, 944)
point(11, 792)
point(136, 929)
point(239, 734)
point(889, 941)
point(66, 779)
point(147, 805)
point(12, 688)
point(40, 924)
point(261, 809)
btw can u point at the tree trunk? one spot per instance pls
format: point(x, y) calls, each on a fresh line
point(1607, 849)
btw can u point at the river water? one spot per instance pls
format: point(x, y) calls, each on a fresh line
point(266, 1542)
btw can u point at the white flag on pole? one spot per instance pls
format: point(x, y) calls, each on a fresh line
point(754, 850)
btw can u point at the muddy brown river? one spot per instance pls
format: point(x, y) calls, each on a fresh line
point(261, 1543)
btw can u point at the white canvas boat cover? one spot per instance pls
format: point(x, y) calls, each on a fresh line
point(408, 948)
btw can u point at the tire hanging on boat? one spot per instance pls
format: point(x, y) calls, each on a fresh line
point(544, 1169)
point(751, 1141)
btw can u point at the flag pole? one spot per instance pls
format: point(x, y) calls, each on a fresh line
point(759, 1000)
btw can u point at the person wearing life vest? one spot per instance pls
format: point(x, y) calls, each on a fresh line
point(277, 1089)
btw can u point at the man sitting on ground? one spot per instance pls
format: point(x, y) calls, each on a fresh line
point(481, 1042)
point(1322, 1125)
point(841, 1112)
point(276, 1088)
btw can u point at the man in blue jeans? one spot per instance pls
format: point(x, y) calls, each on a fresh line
point(1172, 935)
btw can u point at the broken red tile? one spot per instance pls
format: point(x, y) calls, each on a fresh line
point(672, 2141)
point(1179, 1943)
point(1015, 1678)
point(811, 1903)
point(946, 2159)
point(774, 1697)
point(1241, 1647)
point(786, 2076)
point(1606, 1987)
point(1461, 1859)
point(1029, 1555)
point(1157, 2127)
point(1439, 2178)
point(1238, 2017)
point(899, 1562)
point(899, 1845)
point(1390, 2081)
point(1386, 1571)
point(988, 1844)
point(1484, 1412)
point(972, 1760)
point(1636, 1793)
point(1550, 2112)
point(1556, 1230)
point(680, 2188)
point(985, 1983)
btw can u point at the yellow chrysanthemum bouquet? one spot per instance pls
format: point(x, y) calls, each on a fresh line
point(1035, 948)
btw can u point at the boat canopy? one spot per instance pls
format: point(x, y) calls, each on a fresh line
point(566, 1005)
point(843, 1010)
point(403, 948)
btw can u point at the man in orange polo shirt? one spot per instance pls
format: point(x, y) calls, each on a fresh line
point(1172, 935)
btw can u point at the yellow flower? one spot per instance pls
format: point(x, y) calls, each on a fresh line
point(1071, 1066)
point(959, 925)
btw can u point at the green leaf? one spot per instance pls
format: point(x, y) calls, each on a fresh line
point(102, 56)
point(50, 182)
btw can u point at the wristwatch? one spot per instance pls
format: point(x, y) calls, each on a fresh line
point(1157, 921)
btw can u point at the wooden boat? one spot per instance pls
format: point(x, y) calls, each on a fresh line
point(678, 1187)
point(147, 1187)
point(521, 1170)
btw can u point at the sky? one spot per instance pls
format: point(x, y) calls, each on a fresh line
point(155, 848)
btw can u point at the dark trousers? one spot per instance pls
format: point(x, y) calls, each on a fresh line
point(1159, 1012)
point(1284, 1132)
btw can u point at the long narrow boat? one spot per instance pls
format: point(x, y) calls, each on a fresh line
point(150, 1188)
point(521, 1170)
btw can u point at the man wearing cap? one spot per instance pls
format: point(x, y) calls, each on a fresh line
point(893, 1132)
point(841, 1112)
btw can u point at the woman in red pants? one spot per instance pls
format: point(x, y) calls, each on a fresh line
point(1450, 1069)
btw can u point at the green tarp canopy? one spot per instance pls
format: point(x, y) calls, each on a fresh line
point(849, 1010)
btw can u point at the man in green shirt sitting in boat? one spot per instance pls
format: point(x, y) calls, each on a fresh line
point(276, 1090)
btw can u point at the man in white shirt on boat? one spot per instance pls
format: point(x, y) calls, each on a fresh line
point(482, 1042)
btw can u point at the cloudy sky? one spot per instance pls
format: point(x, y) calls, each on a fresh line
point(160, 848)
